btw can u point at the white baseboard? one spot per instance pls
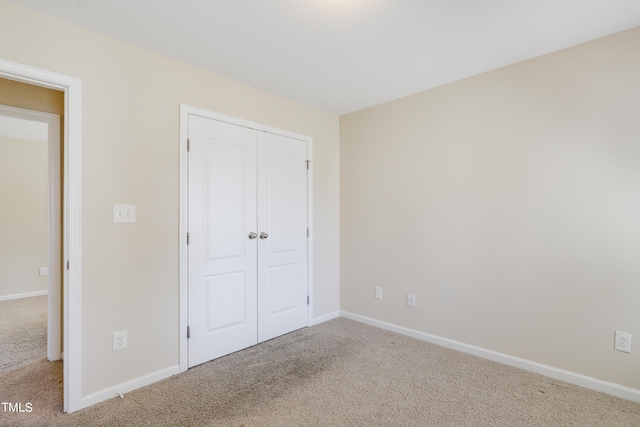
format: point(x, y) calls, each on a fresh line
point(528, 365)
point(25, 295)
point(325, 318)
point(127, 386)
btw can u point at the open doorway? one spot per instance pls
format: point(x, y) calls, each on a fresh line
point(30, 236)
point(70, 130)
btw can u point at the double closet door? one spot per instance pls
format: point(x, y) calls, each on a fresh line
point(247, 249)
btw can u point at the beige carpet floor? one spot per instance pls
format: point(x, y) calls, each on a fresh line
point(339, 373)
point(23, 332)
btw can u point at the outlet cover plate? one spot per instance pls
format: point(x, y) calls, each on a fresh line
point(378, 292)
point(411, 300)
point(119, 340)
point(623, 342)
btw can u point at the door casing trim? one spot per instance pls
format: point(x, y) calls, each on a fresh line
point(71, 214)
point(185, 112)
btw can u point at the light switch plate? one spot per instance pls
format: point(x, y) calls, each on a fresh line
point(124, 213)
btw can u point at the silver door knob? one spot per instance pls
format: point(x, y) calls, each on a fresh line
point(263, 235)
point(252, 235)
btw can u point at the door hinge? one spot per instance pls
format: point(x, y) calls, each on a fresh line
point(188, 238)
point(188, 145)
point(307, 299)
point(307, 232)
point(67, 265)
point(188, 331)
point(308, 161)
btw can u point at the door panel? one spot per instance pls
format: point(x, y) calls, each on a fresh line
point(226, 298)
point(226, 199)
point(282, 195)
point(284, 289)
point(222, 259)
point(282, 215)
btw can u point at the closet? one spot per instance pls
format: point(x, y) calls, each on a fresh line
point(247, 237)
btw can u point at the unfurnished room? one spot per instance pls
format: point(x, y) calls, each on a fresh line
point(319, 213)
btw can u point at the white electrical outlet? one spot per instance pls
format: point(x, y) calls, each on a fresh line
point(623, 342)
point(43, 271)
point(119, 340)
point(411, 300)
point(378, 292)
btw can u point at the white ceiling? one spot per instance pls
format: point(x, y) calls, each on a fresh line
point(345, 55)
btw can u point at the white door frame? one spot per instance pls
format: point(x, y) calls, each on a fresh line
point(185, 111)
point(53, 240)
point(71, 279)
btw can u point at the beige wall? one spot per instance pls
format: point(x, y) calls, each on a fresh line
point(509, 203)
point(130, 140)
point(23, 229)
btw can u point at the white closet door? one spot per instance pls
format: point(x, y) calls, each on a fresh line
point(282, 230)
point(222, 257)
